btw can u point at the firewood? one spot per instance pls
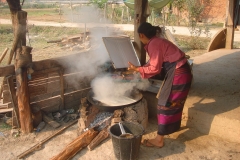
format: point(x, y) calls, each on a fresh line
point(38, 145)
point(76, 145)
point(118, 113)
point(98, 139)
point(54, 41)
point(51, 122)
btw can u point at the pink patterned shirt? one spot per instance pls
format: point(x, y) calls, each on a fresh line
point(160, 50)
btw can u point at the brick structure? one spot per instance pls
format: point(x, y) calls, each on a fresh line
point(214, 11)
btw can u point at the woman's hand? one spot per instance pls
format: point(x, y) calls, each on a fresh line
point(132, 67)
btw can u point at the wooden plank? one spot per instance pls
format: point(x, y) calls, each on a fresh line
point(44, 81)
point(76, 95)
point(52, 104)
point(37, 90)
point(49, 95)
point(230, 26)
point(4, 106)
point(46, 71)
point(47, 64)
point(45, 85)
point(55, 83)
point(6, 110)
point(51, 122)
point(6, 96)
point(41, 97)
point(48, 105)
point(13, 101)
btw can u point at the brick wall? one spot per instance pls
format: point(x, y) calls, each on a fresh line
point(215, 11)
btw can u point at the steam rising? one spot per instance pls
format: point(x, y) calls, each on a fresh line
point(104, 87)
point(108, 89)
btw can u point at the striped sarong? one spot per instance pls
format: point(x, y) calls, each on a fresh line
point(170, 115)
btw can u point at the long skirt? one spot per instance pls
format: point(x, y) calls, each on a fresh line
point(170, 115)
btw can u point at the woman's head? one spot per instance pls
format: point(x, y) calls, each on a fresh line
point(148, 30)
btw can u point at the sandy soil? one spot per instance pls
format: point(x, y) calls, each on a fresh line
point(185, 144)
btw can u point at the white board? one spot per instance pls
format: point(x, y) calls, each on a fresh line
point(121, 51)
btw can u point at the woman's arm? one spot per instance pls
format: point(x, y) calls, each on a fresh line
point(155, 63)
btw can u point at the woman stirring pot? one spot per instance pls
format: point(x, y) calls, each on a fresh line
point(166, 57)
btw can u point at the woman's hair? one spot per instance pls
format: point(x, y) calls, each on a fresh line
point(148, 30)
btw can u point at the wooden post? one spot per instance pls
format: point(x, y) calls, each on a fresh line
point(128, 19)
point(62, 89)
point(139, 18)
point(113, 10)
point(230, 26)
point(122, 15)
point(25, 115)
point(19, 47)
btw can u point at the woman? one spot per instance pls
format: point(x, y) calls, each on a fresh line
point(168, 58)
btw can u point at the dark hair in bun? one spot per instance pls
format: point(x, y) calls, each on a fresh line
point(148, 30)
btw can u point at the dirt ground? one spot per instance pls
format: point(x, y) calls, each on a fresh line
point(184, 144)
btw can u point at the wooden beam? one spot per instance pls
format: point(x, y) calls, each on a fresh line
point(46, 64)
point(230, 26)
point(3, 54)
point(139, 18)
point(13, 100)
point(6, 110)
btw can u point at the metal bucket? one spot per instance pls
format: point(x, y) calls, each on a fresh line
point(126, 148)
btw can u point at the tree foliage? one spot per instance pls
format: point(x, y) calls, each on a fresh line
point(99, 3)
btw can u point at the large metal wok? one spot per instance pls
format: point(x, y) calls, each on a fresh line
point(135, 96)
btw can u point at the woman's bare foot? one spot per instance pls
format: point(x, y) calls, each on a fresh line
point(156, 142)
